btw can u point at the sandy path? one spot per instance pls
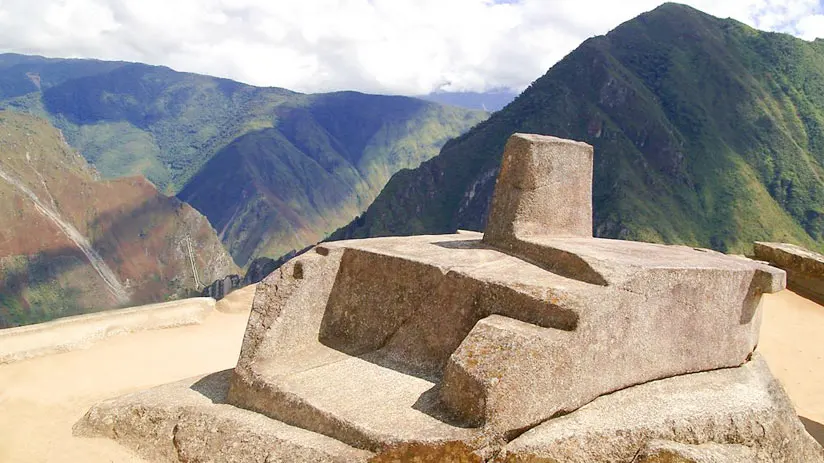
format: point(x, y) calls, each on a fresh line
point(792, 341)
point(41, 398)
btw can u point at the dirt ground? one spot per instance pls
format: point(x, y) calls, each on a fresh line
point(792, 341)
point(40, 399)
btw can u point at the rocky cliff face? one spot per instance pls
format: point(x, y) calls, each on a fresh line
point(71, 243)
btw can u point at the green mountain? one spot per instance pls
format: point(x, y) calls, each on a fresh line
point(706, 132)
point(327, 158)
point(272, 169)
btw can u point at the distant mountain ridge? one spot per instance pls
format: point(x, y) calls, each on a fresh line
point(706, 132)
point(281, 188)
point(493, 100)
point(272, 169)
point(71, 243)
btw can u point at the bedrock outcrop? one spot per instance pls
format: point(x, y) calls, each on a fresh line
point(730, 415)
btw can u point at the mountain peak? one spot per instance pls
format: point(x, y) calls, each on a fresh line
point(705, 132)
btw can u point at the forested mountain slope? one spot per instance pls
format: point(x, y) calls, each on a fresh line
point(706, 132)
point(295, 166)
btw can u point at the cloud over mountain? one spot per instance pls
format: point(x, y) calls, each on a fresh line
point(386, 46)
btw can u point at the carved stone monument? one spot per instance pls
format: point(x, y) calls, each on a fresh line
point(508, 346)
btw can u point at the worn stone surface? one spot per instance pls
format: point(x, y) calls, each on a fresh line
point(189, 422)
point(674, 452)
point(542, 212)
point(286, 373)
point(744, 406)
point(536, 319)
point(805, 269)
point(450, 452)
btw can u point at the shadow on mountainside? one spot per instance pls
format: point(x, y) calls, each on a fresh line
point(31, 290)
point(143, 245)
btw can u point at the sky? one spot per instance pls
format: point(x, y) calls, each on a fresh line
point(407, 47)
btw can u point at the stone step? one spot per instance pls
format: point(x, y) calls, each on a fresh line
point(189, 421)
point(361, 401)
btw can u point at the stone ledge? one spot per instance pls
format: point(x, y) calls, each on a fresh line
point(805, 269)
point(748, 408)
point(189, 421)
point(81, 331)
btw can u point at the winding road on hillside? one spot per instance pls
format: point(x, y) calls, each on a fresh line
point(99, 265)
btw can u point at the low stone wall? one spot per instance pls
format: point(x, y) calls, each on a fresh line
point(805, 269)
point(81, 331)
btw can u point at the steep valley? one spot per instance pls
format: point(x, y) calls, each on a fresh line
point(282, 188)
point(71, 243)
point(273, 170)
point(706, 132)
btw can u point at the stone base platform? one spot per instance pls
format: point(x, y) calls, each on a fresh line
point(461, 342)
point(354, 399)
point(751, 420)
point(190, 421)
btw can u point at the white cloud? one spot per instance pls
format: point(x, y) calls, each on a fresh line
point(811, 27)
point(385, 46)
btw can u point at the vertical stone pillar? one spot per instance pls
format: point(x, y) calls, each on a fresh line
point(544, 188)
